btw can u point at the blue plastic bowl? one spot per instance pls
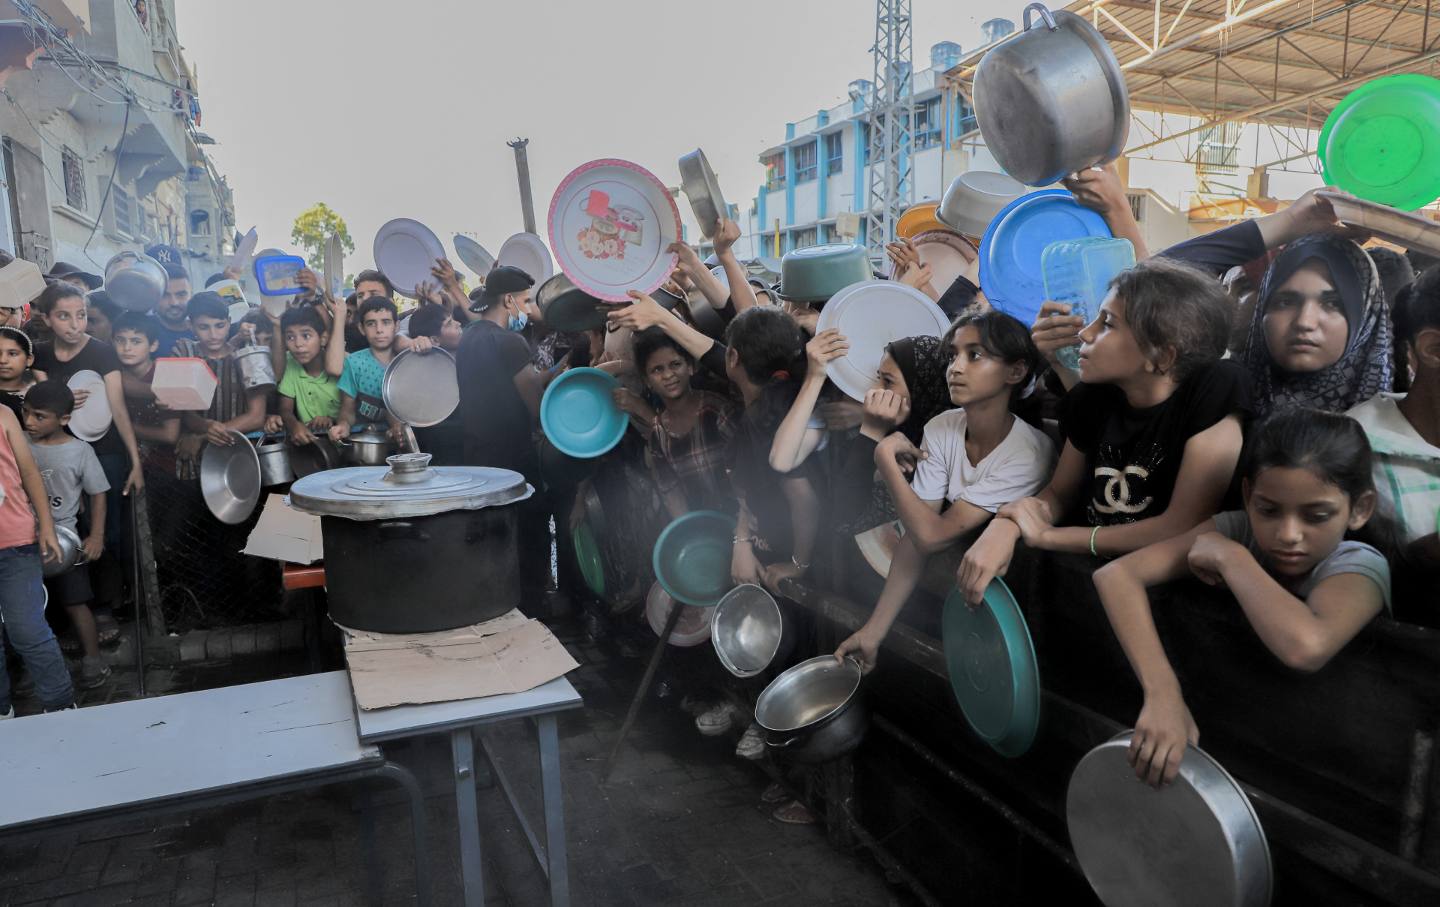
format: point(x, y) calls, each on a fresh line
point(692, 557)
point(578, 415)
point(1010, 251)
point(994, 673)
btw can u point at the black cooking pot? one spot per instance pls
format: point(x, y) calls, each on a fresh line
point(413, 548)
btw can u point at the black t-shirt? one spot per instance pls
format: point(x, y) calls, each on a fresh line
point(496, 421)
point(96, 356)
point(1132, 456)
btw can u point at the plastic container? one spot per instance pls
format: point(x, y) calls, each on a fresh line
point(184, 383)
point(1382, 142)
point(276, 275)
point(1078, 272)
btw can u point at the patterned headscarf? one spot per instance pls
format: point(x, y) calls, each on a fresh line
point(922, 361)
point(1363, 370)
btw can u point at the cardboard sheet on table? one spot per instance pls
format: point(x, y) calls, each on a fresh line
point(285, 534)
point(509, 654)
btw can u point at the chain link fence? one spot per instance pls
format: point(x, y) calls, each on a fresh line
point(201, 580)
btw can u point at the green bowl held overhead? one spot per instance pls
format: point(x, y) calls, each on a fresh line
point(1382, 142)
point(692, 557)
point(993, 670)
point(579, 416)
point(815, 273)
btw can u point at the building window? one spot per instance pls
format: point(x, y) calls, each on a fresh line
point(968, 122)
point(864, 144)
point(804, 238)
point(805, 162)
point(927, 123)
point(767, 244)
point(73, 169)
point(122, 208)
point(774, 171)
point(834, 152)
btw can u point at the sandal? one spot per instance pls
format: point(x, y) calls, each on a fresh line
point(108, 631)
point(774, 794)
point(793, 813)
point(70, 645)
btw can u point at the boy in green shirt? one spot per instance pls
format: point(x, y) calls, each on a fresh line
point(309, 397)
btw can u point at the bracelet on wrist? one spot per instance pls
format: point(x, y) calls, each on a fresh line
point(742, 539)
point(796, 561)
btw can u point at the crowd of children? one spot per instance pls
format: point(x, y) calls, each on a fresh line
point(1258, 408)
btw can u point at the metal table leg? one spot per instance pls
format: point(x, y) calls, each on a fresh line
point(462, 749)
point(554, 810)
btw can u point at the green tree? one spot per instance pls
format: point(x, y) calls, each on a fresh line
point(313, 227)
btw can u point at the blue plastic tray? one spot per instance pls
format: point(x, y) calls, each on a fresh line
point(1010, 250)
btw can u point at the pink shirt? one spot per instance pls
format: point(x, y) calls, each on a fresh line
point(17, 520)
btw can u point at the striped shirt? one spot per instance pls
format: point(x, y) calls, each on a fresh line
point(1407, 467)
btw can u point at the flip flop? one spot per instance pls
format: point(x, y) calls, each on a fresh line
point(793, 813)
point(108, 631)
point(774, 794)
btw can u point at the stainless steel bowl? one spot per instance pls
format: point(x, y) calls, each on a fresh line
point(230, 479)
point(698, 182)
point(368, 448)
point(812, 712)
point(746, 627)
point(70, 553)
point(135, 281)
point(973, 199)
point(1194, 841)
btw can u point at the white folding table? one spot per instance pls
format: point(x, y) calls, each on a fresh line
point(460, 720)
point(191, 749)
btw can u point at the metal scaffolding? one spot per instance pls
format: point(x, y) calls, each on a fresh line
point(1197, 65)
point(891, 115)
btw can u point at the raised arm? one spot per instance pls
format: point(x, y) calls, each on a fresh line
point(794, 439)
point(742, 295)
point(1100, 188)
point(645, 312)
point(335, 347)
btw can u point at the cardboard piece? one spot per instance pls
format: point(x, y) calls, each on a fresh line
point(20, 283)
point(510, 654)
point(285, 534)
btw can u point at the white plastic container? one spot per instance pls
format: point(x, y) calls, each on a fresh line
point(184, 383)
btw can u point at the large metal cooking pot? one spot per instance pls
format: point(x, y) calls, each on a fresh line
point(368, 448)
point(274, 456)
point(1052, 100)
point(812, 712)
point(135, 281)
point(230, 479)
point(415, 548)
point(1194, 841)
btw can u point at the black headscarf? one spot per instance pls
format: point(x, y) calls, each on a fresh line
point(1364, 369)
point(922, 361)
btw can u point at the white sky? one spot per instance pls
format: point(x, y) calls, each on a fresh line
point(402, 109)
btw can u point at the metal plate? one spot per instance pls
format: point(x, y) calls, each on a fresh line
point(473, 255)
point(699, 184)
point(870, 315)
point(691, 629)
point(378, 492)
point(405, 250)
point(91, 421)
point(1196, 841)
point(611, 224)
point(421, 389)
point(993, 670)
point(527, 252)
point(230, 479)
point(1404, 229)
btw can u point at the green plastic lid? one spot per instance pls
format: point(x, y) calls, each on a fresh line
point(587, 556)
point(993, 670)
point(1382, 142)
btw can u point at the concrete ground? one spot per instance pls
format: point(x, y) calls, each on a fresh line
point(679, 823)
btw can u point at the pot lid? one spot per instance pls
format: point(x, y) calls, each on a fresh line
point(408, 487)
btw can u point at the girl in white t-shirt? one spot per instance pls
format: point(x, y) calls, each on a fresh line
point(1304, 559)
point(972, 461)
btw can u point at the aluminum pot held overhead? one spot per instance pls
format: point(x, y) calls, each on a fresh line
point(812, 712)
point(1052, 100)
point(135, 281)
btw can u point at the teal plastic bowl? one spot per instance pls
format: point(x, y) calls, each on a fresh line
point(692, 557)
point(1382, 142)
point(993, 670)
point(815, 273)
point(578, 415)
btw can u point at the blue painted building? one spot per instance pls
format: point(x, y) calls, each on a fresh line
point(817, 175)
